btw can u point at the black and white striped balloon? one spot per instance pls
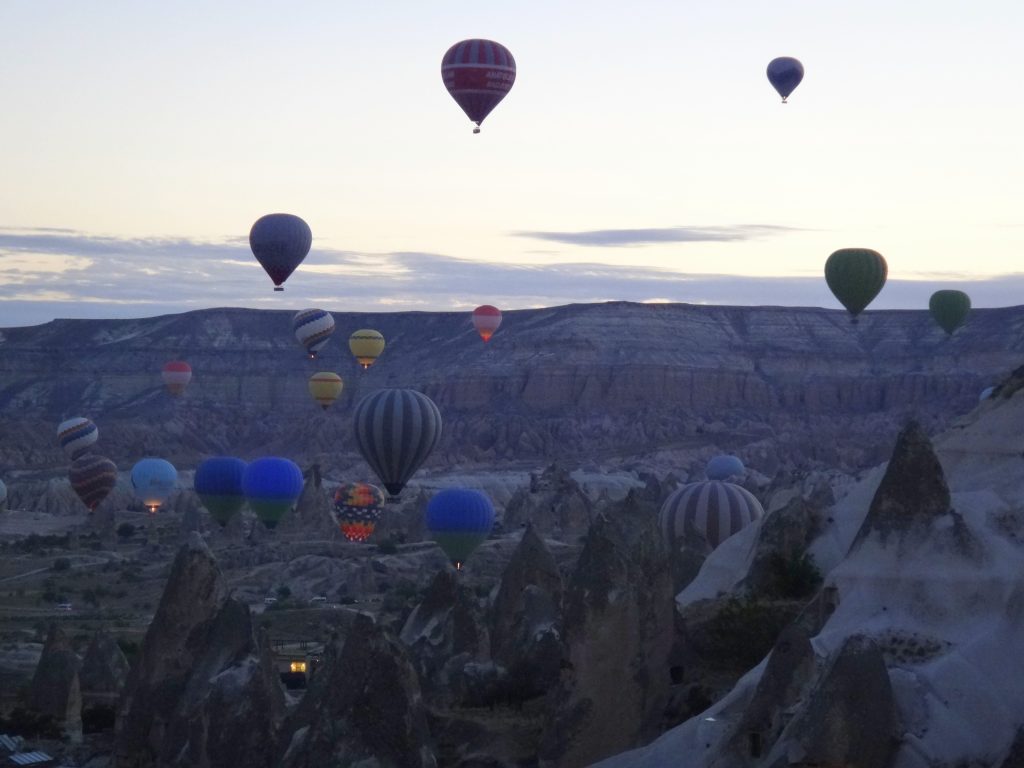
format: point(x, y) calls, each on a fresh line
point(712, 510)
point(395, 430)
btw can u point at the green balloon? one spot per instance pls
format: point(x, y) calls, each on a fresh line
point(855, 276)
point(949, 308)
point(222, 506)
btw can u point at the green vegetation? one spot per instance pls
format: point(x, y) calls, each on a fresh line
point(125, 531)
point(744, 630)
point(30, 725)
point(61, 564)
point(794, 577)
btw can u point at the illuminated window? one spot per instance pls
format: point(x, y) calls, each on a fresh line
point(298, 666)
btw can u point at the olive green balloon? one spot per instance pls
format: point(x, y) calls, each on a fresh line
point(855, 276)
point(949, 308)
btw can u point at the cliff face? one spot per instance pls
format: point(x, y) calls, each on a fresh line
point(585, 382)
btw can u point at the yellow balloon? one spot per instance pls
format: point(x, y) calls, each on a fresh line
point(325, 388)
point(366, 345)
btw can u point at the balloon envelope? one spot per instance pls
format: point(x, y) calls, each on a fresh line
point(357, 507)
point(271, 486)
point(76, 435)
point(92, 478)
point(366, 345)
point(986, 393)
point(855, 276)
point(280, 241)
point(395, 431)
point(486, 320)
point(3, 496)
point(949, 308)
point(313, 327)
point(218, 483)
point(176, 375)
point(325, 387)
point(154, 481)
point(724, 467)
point(459, 520)
point(785, 74)
point(478, 74)
point(711, 510)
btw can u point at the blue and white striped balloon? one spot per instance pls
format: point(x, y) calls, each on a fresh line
point(76, 435)
point(313, 327)
point(711, 510)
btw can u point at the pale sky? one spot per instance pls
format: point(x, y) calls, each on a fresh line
point(642, 153)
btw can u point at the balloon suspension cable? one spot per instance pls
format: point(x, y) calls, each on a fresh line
point(784, 100)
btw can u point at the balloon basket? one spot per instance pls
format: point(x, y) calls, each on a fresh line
point(278, 287)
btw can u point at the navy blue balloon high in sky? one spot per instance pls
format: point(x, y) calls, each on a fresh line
point(280, 241)
point(785, 74)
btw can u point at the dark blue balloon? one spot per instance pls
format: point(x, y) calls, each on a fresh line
point(459, 519)
point(218, 482)
point(785, 74)
point(271, 485)
point(280, 241)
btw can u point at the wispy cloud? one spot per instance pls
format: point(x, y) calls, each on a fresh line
point(44, 275)
point(617, 238)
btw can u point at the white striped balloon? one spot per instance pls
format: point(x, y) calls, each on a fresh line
point(711, 510)
point(313, 327)
point(76, 435)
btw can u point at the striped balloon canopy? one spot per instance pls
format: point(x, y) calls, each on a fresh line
point(218, 483)
point(711, 510)
point(459, 520)
point(395, 431)
point(76, 435)
point(92, 478)
point(154, 481)
point(272, 486)
point(176, 375)
point(313, 327)
point(280, 241)
point(357, 507)
point(486, 320)
point(478, 74)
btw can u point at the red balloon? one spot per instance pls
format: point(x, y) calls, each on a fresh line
point(93, 478)
point(176, 375)
point(478, 74)
point(486, 320)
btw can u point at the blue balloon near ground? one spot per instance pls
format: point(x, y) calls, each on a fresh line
point(785, 74)
point(218, 483)
point(724, 467)
point(154, 481)
point(271, 486)
point(459, 520)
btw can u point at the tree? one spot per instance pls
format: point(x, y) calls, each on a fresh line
point(125, 531)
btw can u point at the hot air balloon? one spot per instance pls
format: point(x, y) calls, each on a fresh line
point(855, 276)
point(218, 483)
point(785, 74)
point(313, 327)
point(92, 478)
point(711, 510)
point(478, 74)
point(357, 507)
point(724, 467)
point(3, 496)
point(176, 375)
point(280, 242)
point(325, 387)
point(459, 520)
point(949, 308)
point(153, 481)
point(366, 345)
point(486, 320)
point(76, 435)
point(395, 431)
point(271, 486)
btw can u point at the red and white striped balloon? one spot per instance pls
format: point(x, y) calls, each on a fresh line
point(486, 320)
point(176, 375)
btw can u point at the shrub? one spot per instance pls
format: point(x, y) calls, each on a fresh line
point(98, 718)
point(125, 531)
point(30, 725)
point(61, 564)
point(793, 577)
point(284, 592)
point(743, 631)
